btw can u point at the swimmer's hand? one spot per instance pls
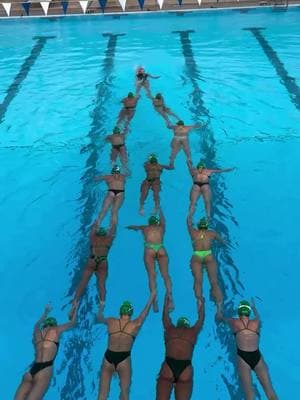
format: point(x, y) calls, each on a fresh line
point(48, 308)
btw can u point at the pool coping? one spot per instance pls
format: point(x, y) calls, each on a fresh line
point(187, 10)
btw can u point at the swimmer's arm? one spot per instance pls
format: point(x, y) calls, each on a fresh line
point(153, 76)
point(135, 227)
point(201, 313)
point(189, 224)
point(254, 309)
point(42, 318)
point(93, 230)
point(166, 317)
point(141, 318)
point(166, 167)
point(108, 138)
point(219, 171)
point(101, 178)
point(73, 318)
point(220, 239)
point(112, 230)
point(190, 167)
point(226, 320)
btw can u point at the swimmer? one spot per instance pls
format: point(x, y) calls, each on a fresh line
point(153, 172)
point(202, 240)
point(201, 186)
point(46, 337)
point(154, 250)
point(122, 332)
point(115, 195)
point(180, 140)
point(127, 112)
point(176, 371)
point(118, 147)
point(141, 80)
point(101, 241)
point(249, 358)
point(160, 106)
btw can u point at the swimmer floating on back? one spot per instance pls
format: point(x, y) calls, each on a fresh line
point(153, 170)
point(101, 241)
point(201, 185)
point(141, 81)
point(127, 112)
point(118, 146)
point(46, 337)
point(202, 240)
point(160, 106)
point(115, 194)
point(122, 333)
point(249, 358)
point(154, 250)
point(176, 371)
point(180, 140)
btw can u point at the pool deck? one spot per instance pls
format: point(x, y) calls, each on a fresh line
point(132, 6)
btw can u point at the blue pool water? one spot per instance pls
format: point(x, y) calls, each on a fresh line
point(61, 82)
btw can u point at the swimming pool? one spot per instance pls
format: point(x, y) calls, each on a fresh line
point(61, 82)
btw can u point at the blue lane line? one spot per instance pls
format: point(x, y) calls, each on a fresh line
point(285, 79)
point(14, 88)
point(209, 145)
point(77, 345)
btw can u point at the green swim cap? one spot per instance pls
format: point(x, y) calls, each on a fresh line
point(180, 123)
point(152, 159)
point(203, 224)
point(126, 308)
point(101, 232)
point(130, 95)
point(158, 96)
point(153, 220)
point(116, 170)
point(200, 165)
point(50, 321)
point(116, 129)
point(244, 308)
point(183, 322)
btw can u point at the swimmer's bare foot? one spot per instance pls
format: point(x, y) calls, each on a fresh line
point(142, 210)
point(100, 311)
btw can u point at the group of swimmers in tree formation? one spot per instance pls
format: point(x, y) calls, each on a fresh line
point(176, 372)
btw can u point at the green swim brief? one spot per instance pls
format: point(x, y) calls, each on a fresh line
point(202, 254)
point(154, 246)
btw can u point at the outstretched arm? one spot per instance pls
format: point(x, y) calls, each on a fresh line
point(101, 178)
point(190, 167)
point(199, 322)
point(135, 227)
point(166, 317)
point(254, 309)
point(113, 229)
point(72, 316)
point(141, 318)
point(189, 223)
point(166, 167)
point(42, 318)
point(153, 76)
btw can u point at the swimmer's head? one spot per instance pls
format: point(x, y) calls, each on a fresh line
point(116, 129)
point(126, 308)
point(203, 224)
point(183, 322)
point(180, 123)
point(153, 220)
point(130, 95)
point(158, 96)
point(101, 232)
point(200, 165)
point(152, 159)
point(116, 170)
point(50, 321)
point(244, 308)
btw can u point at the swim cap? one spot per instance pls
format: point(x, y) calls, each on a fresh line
point(101, 232)
point(158, 96)
point(180, 123)
point(130, 95)
point(152, 159)
point(116, 129)
point(183, 322)
point(203, 224)
point(116, 170)
point(200, 165)
point(126, 308)
point(244, 308)
point(50, 321)
point(153, 220)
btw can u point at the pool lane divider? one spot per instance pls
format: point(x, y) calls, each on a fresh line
point(14, 88)
point(209, 145)
point(81, 343)
point(288, 81)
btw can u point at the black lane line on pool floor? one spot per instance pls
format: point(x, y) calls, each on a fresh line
point(81, 344)
point(208, 144)
point(14, 88)
point(288, 81)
